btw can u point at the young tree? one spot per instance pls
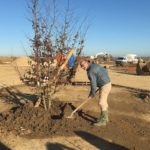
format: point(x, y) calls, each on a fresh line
point(53, 35)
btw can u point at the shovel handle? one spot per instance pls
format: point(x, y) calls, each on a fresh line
point(79, 107)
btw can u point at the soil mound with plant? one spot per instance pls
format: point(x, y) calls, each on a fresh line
point(28, 120)
point(32, 122)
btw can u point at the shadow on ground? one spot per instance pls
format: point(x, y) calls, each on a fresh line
point(57, 146)
point(141, 94)
point(99, 142)
point(12, 94)
point(3, 147)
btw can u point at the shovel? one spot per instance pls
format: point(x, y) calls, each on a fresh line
point(83, 103)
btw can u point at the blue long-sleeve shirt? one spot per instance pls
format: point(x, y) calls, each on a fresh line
point(98, 77)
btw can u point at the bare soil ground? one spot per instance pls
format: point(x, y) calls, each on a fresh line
point(23, 127)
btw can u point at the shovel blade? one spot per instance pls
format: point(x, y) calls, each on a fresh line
point(70, 117)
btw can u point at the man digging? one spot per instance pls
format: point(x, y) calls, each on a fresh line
point(98, 77)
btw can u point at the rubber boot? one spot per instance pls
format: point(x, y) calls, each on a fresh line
point(102, 121)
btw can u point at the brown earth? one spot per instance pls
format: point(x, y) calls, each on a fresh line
point(23, 127)
point(128, 127)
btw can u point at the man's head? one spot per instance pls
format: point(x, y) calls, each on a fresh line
point(84, 64)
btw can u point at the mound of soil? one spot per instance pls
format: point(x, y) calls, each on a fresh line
point(22, 61)
point(28, 120)
point(34, 122)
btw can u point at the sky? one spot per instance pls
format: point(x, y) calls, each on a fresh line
point(117, 27)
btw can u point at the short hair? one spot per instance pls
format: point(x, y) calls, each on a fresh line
point(84, 60)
